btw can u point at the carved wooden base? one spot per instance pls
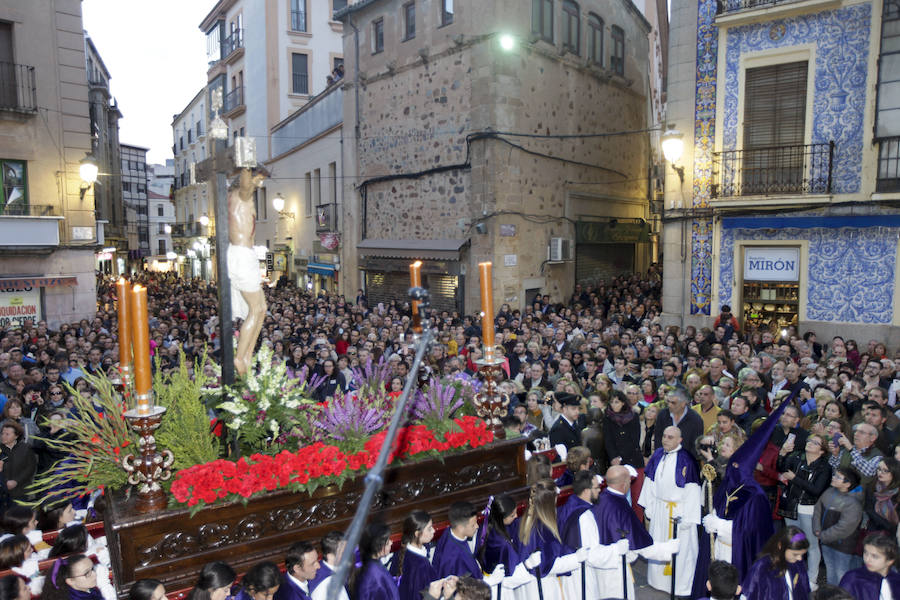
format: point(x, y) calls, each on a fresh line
point(490, 402)
point(172, 546)
point(152, 466)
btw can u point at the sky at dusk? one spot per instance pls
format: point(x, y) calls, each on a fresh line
point(156, 57)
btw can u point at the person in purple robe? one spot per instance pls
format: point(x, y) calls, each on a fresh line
point(780, 571)
point(501, 544)
point(214, 583)
point(301, 563)
point(259, 583)
point(742, 520)
point(75, 578)
point(585, 491)
point(578, 458)
point(454, 553)
point(372, 580)
point(410, 564)
point(878, 576)
point(333, 545)
point(723, 582)
point(553, 562)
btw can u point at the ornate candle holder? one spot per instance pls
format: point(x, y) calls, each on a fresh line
point(124, 381)
point(152, 466)
point(490, 403)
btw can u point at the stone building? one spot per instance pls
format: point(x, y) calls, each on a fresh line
point(786, 205)
point(105, 115)
point(509, 131)
point(48, 230)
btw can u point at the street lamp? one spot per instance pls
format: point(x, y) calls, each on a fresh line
point(507, 42)
point(278, 202)
point(88, 171)
point(167, 228)
point(673, 147)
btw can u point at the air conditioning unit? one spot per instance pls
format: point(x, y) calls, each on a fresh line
point(560, 249)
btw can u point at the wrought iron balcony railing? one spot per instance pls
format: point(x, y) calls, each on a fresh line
point(17, 88)
point(233, 43)
point(888, 165)
point(731, 6)
point(774, 170)
point(234, 99)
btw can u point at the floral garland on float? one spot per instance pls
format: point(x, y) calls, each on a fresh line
point(288, 440)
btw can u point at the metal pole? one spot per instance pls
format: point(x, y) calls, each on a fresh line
point(375, 478)
point(222, 279)
point(675, 521)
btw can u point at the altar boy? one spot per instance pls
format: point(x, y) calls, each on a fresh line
point(455, 551)
point(332, 547)
point(301, 564)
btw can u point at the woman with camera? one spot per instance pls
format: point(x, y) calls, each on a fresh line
point(805, 476)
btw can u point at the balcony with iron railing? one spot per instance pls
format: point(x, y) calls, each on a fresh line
point(888, 165)
point(773, 171)
point(298, 20)
point(233, 101)
point(232, 44)
point(17, 88)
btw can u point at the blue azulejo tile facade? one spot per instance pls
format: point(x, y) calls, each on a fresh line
point(851, 270)
point(841, 41)
point(849, 277)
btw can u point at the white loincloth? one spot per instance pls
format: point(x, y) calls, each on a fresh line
point(243, 272)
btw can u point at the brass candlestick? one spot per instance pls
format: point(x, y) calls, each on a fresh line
point(490, 403)
point(152, 466)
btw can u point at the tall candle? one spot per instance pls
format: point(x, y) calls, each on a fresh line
point(415, 280)
point(487, 309)
point(140, 333)
point(122, 289)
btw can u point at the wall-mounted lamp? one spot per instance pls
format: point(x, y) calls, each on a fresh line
point(278, 205)
point(673, 147)
point(167, 229)
point(87, 170)
point(204, 220)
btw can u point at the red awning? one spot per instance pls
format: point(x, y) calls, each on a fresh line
point(25, 283)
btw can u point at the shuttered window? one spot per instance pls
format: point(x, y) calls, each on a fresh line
point(774, 127)
point(775, 105)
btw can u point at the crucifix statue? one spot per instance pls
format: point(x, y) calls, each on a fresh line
point(247, 299)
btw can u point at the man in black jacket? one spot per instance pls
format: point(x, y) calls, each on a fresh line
point(567, 429)
point(677, 413)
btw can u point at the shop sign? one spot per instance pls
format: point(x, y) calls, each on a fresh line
point(611, 232)
point(19, 306)
point(771, 264)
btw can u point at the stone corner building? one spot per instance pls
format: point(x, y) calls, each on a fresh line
point(450, 136)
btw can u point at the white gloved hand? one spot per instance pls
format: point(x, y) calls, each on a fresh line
point(631, 556)
point(520, 576)
point(581, 554)
point(711, 523)
point(495, 577)
point(621, 547)
point(533, 560)
point(35, 536)
point(671, 546)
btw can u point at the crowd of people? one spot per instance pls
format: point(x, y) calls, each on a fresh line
point(781, 446)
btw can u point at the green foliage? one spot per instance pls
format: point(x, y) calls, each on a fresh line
point(98, 438)
point(185, 428)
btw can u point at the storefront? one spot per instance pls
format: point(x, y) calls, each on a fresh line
point(770, 287)
point(22, 298)
point(607, 249)
point(385, 264)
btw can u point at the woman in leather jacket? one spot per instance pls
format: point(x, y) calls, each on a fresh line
point(806, 475)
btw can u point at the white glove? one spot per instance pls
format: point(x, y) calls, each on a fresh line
point(631, 471)
point(621, 547)
point(565, 564)
point(660, 551)
point(711, 523)
point(519, 577)
point(562, 451)
point(581, 554)
point(496, 577)
point(533, 560)
point(36, 585)
point(631, 556)
point(35, 536)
